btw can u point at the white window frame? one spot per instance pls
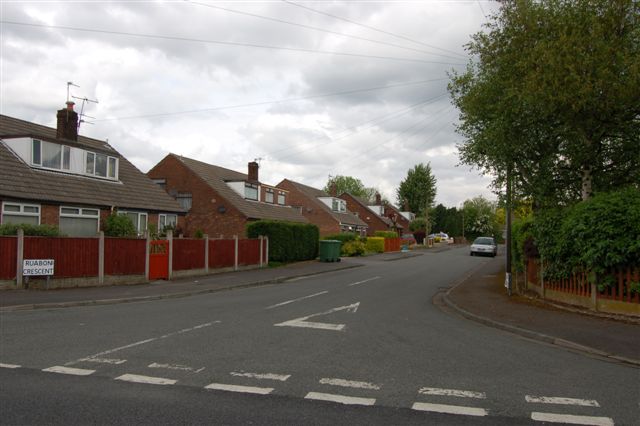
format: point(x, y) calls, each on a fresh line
point(284, 198)
point(109, 158)
point(137, 225)
point(269, 192)
point(162, 217)
point(21, 206)
point(252, 186)
point(82, 213)
point(64, 150)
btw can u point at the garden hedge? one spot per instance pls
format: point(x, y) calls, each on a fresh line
point(288, 241)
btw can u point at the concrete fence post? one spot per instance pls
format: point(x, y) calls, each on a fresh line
point(235, 262)
point(267, 250)
point(146, 256)
point(170, 239)
point(101, 258)
point(260, 240)
point(19, 258)
point(542, 277)
point(206, 253)
point(594, 296)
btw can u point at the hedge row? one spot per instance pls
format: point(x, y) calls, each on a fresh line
point(31, 230)
point(386, 234)
point(288, 242)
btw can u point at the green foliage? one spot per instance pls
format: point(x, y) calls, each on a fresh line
point(521, 233)
point(343, 237)
point(30, 230)
point(288, 242)
point(375, 245)
point(418, 189)
point(418, 224)
point(198, 234)
point(386, 234)
point(353, 248)
point(119, 226)
point(351, 185)
point(480, 218)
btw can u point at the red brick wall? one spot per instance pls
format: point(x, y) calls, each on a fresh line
point(311, 209)
point(374, 221)
point(205, 201)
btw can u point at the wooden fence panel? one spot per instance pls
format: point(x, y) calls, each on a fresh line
point(8, 257)
point(188, 254)
point(124, 256)
point(221, 253)
point(248, 252)
point(392, 244)
point(74, 257)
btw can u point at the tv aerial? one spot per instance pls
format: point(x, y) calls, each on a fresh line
point(84, 100)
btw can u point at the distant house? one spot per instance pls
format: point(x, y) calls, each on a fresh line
point(328, 212)
point(220, 201)
point(55, 177)
point(375, 221)
point(399, 219)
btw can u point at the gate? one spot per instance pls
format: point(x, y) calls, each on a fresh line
point(159, 260)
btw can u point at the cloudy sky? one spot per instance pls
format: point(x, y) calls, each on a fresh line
point(311, 88)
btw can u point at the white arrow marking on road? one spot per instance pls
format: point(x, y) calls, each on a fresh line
point(296, 300)
point(302, 322)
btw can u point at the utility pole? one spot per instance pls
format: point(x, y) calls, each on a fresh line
point(507, 278)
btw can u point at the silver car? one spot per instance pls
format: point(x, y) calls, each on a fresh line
point(484, 246)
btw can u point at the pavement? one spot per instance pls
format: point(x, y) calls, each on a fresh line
point(480, 297)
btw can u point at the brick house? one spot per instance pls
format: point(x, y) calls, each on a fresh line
point(399, 219)
point(375, 222)
point(328, 212)
point(56, 177)
point(220, 201)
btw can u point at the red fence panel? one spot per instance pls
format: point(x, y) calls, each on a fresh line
point(248, 252)
point(74, 257)
point(188, 254)
point(221, 253)
point(8, 257)
point(392, 244)
point(124, 256)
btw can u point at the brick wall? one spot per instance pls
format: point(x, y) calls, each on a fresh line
point(400, 220)
point(374, 222)
point(205, 201)
point(311, 209)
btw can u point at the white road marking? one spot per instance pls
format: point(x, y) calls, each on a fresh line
point(302, 322)
point(134, 378)
point(296, 300)
point(450, 409)
point(105, 360)
point(241, 389)
point(570, 419)
point(9, 365)
point(349, 384)
point(142, 342)
point(67, 370)
point(262, 376)
point(175, 367)
point(452, 392)
point(363, 281)
point(562, 401)
point(341, 399)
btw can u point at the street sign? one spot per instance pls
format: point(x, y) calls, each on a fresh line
point(31, 267)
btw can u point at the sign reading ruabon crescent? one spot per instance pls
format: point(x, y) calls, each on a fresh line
point(38, 267)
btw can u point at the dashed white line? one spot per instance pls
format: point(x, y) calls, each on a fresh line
point(452, 392)
point(571, 419)
point(175, 367)
point(105, 360)
point(363, 281)
point(561, 400)
point(296, 300)
point(341, 399)
point(262, 376)
point(68, 370)
point(237, 388)
point(9, 365)
point(134, 378)
point(349, 384)
point(450, 409)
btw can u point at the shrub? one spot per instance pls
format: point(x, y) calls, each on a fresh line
point(117, 225)
point(353, 248)
point(288, 241)
point(386, 234)
point(375, 245)
point(198, 234)
point(30, 230)
point(418, 224)
point(343, 237)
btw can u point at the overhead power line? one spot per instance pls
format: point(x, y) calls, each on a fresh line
point(309, 27)
point(225, 43)
point(373, 28)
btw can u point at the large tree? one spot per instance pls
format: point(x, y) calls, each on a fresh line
point(353, 186)
point(418, 189)
point(551, 95)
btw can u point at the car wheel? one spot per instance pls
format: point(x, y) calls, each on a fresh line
point(471, 254)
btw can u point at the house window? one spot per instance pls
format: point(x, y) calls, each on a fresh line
point(281, 198)
point(268, 196)
point(339, 205)
point(101, 165)
point(21, 213)
point(36, 157)
point(50, 155)
point(79, 222)
point(184, 200)
point(167, 220)
point(138, 219)
point(251, 191)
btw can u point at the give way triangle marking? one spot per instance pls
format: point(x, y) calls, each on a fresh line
point(302, 322)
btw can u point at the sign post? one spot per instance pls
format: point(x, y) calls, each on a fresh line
point(38, 267)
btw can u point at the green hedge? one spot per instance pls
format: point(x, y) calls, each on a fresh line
point(31, 230)
point(386, 234)
point(353, 248)
point(288, 242)
point(375, 245)
point(342, 237)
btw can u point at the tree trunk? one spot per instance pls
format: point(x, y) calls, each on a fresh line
point(587, 190)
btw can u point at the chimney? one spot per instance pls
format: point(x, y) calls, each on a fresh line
point(333, 190)
point(67, 123)
point(378, 199)
point(253, 172)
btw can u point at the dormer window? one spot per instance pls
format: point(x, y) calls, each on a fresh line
point(268, 195)
point(251, 191)
point(101, 165)
point(339, 205)
point(281, 198)
point(50, 155)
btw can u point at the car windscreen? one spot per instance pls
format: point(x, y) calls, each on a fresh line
point(484, 241)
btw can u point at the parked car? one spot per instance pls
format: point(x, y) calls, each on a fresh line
point(484, 245)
